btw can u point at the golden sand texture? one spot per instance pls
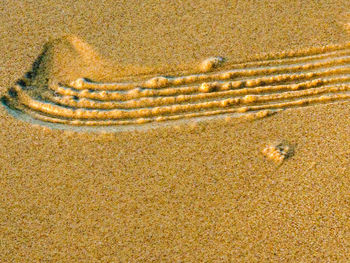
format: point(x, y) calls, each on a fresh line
point(83, 198)
point(195, 192)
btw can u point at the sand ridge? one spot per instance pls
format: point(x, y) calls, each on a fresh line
point(214, 87)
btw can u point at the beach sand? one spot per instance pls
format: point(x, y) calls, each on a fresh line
point(184, 192)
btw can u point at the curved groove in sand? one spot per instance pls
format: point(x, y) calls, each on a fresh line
point(257, 88)
point(203, 88)
point(75, 101)
point(82, 113)
point(165, 81)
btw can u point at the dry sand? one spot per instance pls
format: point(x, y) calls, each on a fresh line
point(200, 192)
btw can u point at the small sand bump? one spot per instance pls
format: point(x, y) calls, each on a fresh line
point(226, 86)
point(157, 82)
point(84, 92)
point(278, 152)
point(243, 109)
point(237, 84)
point(78, 83)
point(205, 87)
point(250, 83)
point(211, 63)
point(249, 98)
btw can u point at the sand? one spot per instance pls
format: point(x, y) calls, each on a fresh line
point(186, 192)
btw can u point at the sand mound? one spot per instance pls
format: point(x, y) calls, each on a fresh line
point(64, 59)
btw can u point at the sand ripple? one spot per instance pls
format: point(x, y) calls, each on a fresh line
point(271, 83)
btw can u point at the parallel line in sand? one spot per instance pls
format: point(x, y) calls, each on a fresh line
point(256, 88)
point(70, 101)
point(140, 93)
point(165, 81)
point(261, 111)
point(156, 111)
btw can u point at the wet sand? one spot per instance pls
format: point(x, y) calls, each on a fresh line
point(191, 192)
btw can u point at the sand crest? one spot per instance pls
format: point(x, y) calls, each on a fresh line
point(271, 83)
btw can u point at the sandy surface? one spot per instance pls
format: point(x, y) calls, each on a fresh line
point(192, 193)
